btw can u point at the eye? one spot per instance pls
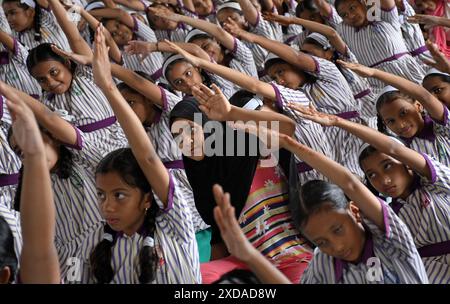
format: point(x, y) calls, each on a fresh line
point(322, 244)
point(389, 122)
point(189, 73)
point(437, 90)
point(178, 82)
point(371, 175)
point(131, 103)
point(403, 113)
point(54, 72)
point(338, 230)
point(100, 196)
point(387, 166)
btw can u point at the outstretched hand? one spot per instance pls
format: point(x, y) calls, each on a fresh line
point(359, 69)
point(212, 102)
point(195, 61)
point(165, 14)
point(440, 60)
point(272, 17)
point(141, 48)
point(101, 65)
point(312, 114)
point(233, 28)
point(424, 19)
point(81, 59)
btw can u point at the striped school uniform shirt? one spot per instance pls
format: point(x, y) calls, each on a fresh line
point(4, 25)
point(426, 212)
point(170, 154)
point(393, 248)
point(178, 260)
point(228, 88)
point(51, 32)
point(380, 44)
point(306, 132)
point(242, 60)
point(266, 219)
point(9, 162)
point(412, 34)
point(434, 139)
point(152, 64)
point(77, 210)
point(14, 72)
point(90, 109)
point(12, 218)
point(331, 93)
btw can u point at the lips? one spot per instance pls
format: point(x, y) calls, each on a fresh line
point(390, 190)
point(112, 221)
point(346, 255)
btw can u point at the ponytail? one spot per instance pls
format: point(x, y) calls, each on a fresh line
point(37, 23)
point(100, 258)
point(148, 257)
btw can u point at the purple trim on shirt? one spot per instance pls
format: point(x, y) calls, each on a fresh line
point(164, 98)
point(262, 73)
point(290, 39)
point(136, 24)
point(98, 125)
point(235, 46)
point(278, 98)
point(419, 51)
point(436, 249)
point(4, 58)
point(79, 143)
point(170, 195)
point(426, 133)
point(175, 164)
point(362, 94)
point(387, 227)
point(1, 106)
point(445, 121)
point(35, 96)
point(15, 47)
point(348, 115)
point(303, 167)
point(10, 179)
point(317, 70)
point(48, 8)
point(431, 167)
point(158, 74)
point(396, 206)
point(392, 58)
point(389, 9)
point(257, 20)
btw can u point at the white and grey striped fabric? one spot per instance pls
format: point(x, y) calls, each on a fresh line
point(394, 247)
point(426, 212)
point(177, 35)
point(377, 42)
point(4, 25)
point(168, 151)
point(174, 239)
point(242, 60)
point(12, 218)
point(51, 32)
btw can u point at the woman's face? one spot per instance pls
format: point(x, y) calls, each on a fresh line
point(122, 206)
point(141, 107)
point(285, 75)
point(337, 232)
point(211, 47)
point(190, 138)
point(159, 23)
point(402, 117)
point(353, 13)
point(52, 76)
point(314, 50)
point(312, 16)
point(439, 88)
point(203, 7)
point(119, 32)
point(223, 15)
point(387, 175)
point(19, 19)
point(183, 76)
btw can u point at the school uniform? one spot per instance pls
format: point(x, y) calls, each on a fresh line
point(242, 61)
point(4, 25)
point(393, 248)
point(12, 218)
point(426, 212)
point(380, 45)
point(175, 243)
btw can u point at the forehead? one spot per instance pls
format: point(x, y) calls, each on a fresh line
point(201, 39)
point(43, 67)
point(178, 68)
point(374, 161)
point(110, 180)
point(278, 66)
point(223, 14)
point(434, 80)
point(345, 5)
point(392, 107)
point(320, 223)
point(182, 125)
point(10, 5)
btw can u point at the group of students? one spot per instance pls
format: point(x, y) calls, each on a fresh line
point(108, 109)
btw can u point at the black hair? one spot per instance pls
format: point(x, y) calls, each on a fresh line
point(44, 52)
point(316, 194)
point(123, 162)
point(443, 78)
point(238, 276)
point(123, 86)
point(63, 167)
point(306, 5)
point(7, 253)
point(36, 20)
point(175, 9)
point(308, 77)
point(241, 97)
point(207, 81)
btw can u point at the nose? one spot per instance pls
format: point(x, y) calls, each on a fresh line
point(108, 205)
point(386, 180)
point(339, 248)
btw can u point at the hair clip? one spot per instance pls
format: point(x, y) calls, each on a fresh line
point(149, 241)
point(108, 237)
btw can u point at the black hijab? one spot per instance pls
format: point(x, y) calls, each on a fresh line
point(234, 173)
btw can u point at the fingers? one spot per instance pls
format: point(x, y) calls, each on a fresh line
point(201, 97)
point(61, 52)
point(216, 89)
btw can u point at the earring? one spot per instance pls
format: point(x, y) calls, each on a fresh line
point(146, 210)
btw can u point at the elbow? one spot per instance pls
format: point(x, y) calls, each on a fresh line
point(352, 184)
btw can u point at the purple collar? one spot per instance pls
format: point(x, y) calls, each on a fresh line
point(339, 264)
point(426, 133)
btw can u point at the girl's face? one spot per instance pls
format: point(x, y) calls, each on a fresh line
point(183, 76)
point(122, 206)
point(312, 16)
point(285, 75)
point(203, 7)
point(190, 138)
point(337, 232)
point(211, 47)
point(19, 19)
point(51, 150)
point(426, 5)
point(162, 23)
point(440, 89)
point(119, 32)
point(353, 13)
point(402, 117)
point(314, 50)
point(53, 76)
point(226, 13)
point(140, 106)
point(387, 175)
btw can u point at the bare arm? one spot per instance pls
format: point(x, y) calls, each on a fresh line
point(7, 41)
point(133, 4)
point(114, 13)
point(324, 7)
point(250, 12)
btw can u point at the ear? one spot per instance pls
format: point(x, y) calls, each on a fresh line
point(5, 275)
point(355, 211)
point(147, 200)
point(418, 106)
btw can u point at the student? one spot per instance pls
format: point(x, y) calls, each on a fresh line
point(438, 84)
point(38, 259)
point(417, 184)
point(68, 86)
point(401, 109)
point(350, 233)
point(376, 44)
point(145, 213)
point(306, 132)
point(32, 23)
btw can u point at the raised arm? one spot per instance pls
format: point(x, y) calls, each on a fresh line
point(140, 143)
point(136, 5)
point(145, 48)
point(440, 62)
point(285, 52)
point(76, 42)
point(250, 12)
point(7, 41)
point(243, 80)
point(58, 127)
point(114, 13)
point(433, 106)
point(39, 259)
point(324, 7)
point(376, 139)
point(387, 4)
